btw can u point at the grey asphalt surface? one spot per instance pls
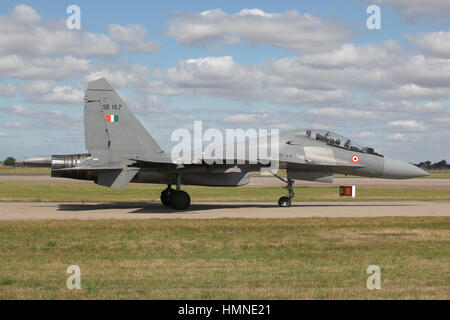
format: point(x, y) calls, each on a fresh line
point(98, 211)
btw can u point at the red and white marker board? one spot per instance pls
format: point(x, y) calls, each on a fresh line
point(347, 191)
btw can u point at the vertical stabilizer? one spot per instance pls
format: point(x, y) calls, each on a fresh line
point(110, 126)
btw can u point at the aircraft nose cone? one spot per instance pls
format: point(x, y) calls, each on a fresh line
point(396, 169)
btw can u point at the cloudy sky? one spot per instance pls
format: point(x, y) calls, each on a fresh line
point(253, 64)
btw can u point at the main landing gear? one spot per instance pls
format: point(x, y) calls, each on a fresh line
point(177, 199)
point(285, 201)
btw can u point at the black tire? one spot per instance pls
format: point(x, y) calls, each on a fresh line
point(284, 202)
point(166, 197)
point(180, 200)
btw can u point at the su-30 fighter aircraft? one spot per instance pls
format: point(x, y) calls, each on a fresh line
point(120, 150)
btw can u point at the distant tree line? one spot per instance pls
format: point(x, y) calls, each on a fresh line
point(433, 166)
point(10, 161)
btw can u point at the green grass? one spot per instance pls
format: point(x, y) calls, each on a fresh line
point(73, 192)
point(227, 259)
point(439, 174)
point(23, 171)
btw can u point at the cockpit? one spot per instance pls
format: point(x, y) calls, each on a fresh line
point(336, 140)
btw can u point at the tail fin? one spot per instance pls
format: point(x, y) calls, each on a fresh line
point(110, 127)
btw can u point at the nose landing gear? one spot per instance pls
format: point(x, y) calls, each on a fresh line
point(285, 201)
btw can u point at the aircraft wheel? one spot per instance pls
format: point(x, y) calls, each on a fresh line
point(180, 200)
point(166, 197)
point(284, 202)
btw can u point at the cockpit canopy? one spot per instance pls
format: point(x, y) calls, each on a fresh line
point(337, 140)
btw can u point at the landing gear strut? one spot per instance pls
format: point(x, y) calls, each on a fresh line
point(285, 201)
point(177, 199)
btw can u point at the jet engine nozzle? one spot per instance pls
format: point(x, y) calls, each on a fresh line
point(68, 160)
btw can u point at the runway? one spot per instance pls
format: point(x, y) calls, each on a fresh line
point(97, 211)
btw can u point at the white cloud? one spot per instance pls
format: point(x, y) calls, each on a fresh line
point(408, 125)
point(289, 30)
point(433, 44)
point(413, 91)
point(422, 71)
point(409, 107)
point(49, 92)
point(6, 134)
point(321, 126)
point(149, 105)
point(7, 90)
point(314, 79)
point(24, 32)
point(24, 14)
point(347, 55)
point(160, 88)
point(338, 113)
point(222, 76)
point(397, 137)
point(366, 134)
point(246, 118)
point(299, 97)
point(134, 36)
point(258, 118)
point(216, 76)
point(360, 68)
point(14, 124)
point(444, 121)
point(420, 11)
point(433, 107)
point(121, 75)
point(48, 119)
point(42, 68)
point(32, 113)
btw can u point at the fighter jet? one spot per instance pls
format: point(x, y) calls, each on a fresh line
point(120, 151)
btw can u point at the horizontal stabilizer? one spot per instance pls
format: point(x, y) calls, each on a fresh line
point(117, 179)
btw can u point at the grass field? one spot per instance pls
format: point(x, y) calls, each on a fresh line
point(72, 192)
point(24, 171)
point(227, 259)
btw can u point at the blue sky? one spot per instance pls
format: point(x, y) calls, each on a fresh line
point(252, 64)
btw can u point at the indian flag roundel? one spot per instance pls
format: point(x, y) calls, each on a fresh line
point(112, 118)
point(355, 158)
